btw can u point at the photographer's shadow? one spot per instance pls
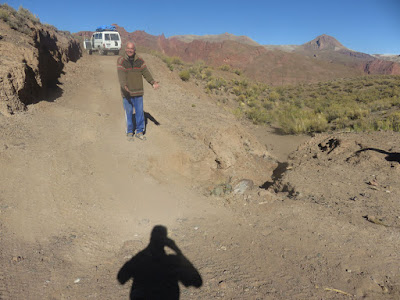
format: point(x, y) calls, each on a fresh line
point(155, 273)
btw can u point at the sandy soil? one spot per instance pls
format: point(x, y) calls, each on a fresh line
point(77, 200)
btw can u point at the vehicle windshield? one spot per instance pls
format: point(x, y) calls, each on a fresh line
point(111, 37)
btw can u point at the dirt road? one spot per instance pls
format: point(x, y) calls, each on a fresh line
point(77, 201)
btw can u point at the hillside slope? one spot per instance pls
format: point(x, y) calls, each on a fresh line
point(78, 201)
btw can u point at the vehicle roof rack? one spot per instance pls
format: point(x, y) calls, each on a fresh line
point(106, 28)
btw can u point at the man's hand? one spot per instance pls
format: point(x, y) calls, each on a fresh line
point(171, 244)
point(126, 89)
point(156, 85)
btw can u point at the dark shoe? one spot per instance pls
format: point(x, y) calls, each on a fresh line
point(140, 136)
point(129, 137)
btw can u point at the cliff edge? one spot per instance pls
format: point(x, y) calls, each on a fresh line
point(32, 58)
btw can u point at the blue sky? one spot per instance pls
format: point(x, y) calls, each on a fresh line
point(369, 26)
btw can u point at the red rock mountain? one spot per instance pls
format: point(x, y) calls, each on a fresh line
point(217, 38)
point(323, 42)
point(323, 58)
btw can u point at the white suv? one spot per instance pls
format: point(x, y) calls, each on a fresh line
point(105, 39)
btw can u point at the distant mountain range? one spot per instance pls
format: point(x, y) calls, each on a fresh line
point(323, 58)
point(216, 38)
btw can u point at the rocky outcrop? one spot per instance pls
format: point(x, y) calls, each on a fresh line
point(357, 55)
point(31, 61)
point(382, 67)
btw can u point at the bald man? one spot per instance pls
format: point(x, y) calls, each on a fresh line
point(131, 70)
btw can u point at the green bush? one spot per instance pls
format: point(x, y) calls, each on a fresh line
point(184, 75)
point(26, 14)
point(170, 61)
point(215, 83)
point(4, 15)
point(295, 121)
point(207, 72)
point(258, 116)
point(17, 20)
point(392, 122)
point(8, 8)
point(225, 67)
point(176, 60)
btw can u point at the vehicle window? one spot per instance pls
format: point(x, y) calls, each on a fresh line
point(100, 35)
point(107, 36)
point(114, 37)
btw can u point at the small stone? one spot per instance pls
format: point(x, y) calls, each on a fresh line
point(17, 258)
point(385, 290)
point(263, 193)
point(243, 185)
point(222, 285)
point(373, 182)
point(77, 280)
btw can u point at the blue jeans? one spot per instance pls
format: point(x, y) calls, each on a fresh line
point(129, 104)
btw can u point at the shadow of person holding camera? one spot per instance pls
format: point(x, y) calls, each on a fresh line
point(155, 273)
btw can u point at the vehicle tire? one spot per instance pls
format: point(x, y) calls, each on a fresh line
point(116, 52)
point(105, 52)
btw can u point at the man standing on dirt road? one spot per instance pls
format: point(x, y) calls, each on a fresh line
point(131, 70)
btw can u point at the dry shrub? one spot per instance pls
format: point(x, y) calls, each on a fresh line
point(184, 75)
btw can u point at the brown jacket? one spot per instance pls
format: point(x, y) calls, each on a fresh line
point(130, 73)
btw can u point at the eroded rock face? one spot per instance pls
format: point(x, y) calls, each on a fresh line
point(382, 67)
point(30, 64)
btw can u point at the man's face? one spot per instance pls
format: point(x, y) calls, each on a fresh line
point(130, 50)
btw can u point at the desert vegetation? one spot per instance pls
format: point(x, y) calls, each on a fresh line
point(359, 104)
point(19, 19)
point(366, 103)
